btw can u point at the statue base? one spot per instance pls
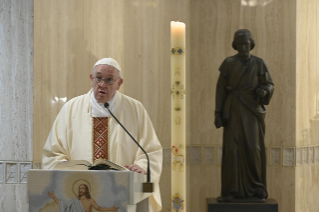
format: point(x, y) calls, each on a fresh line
point(270, 205)
point(240, 200)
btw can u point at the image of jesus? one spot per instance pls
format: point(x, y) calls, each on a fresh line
point(82, 203)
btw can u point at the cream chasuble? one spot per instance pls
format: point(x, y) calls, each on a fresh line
point(71, 137)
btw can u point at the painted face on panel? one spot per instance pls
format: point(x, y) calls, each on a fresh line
point(82, 190)
point(105, 82)
point(243, 45)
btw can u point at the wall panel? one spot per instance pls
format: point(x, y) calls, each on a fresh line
point(72, 35)
point(16, 99)
point(212, 26)
point(307, 124)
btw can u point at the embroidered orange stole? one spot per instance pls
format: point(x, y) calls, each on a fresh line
point(100, 138)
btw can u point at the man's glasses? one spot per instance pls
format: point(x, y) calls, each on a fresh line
point(109, 81)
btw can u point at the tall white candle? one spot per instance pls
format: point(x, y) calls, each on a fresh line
point(178, 116)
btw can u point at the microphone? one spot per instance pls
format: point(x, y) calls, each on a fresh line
point(148, 186)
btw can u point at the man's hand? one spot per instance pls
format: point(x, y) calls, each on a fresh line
point(135, 168)
point(218, 121)
point(261, 92)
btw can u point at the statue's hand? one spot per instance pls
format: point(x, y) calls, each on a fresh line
point(218, 121)
point(261, 92)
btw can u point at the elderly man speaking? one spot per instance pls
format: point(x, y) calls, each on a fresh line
point(85, 130)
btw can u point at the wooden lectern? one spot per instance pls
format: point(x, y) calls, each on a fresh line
point(60, 190)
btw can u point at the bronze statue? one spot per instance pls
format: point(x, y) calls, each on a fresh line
point(244, 86)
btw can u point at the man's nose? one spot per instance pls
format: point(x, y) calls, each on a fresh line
point(102, 83)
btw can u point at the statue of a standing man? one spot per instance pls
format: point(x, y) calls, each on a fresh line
point(243, 88)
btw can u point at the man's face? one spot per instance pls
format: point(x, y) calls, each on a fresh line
point(82, 190)
point(103, 92)
point(243, 45)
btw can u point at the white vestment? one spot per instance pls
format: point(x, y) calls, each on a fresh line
point(71, 138)
point(73, 205)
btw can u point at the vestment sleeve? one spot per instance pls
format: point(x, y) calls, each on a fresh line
point(55, 150)
point(148, 140)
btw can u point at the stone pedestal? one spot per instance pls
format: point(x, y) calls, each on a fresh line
point(213, 206)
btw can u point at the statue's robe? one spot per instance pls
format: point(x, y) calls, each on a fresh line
point(71, 138)
point(243, 112)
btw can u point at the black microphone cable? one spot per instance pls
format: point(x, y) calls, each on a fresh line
point(148, 160)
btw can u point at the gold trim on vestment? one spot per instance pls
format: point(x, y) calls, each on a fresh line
point(108, 137)
point(92, 139)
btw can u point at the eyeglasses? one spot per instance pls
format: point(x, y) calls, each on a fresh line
point(109, 81)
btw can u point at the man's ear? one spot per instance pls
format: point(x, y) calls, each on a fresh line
point(91, 77)
point(120, 82)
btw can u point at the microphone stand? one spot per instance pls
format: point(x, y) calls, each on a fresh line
point(148, 186)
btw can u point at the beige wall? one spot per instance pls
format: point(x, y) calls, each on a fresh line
point(307, 73)
point(307, 113)
point(71, 35)
point(212, 26)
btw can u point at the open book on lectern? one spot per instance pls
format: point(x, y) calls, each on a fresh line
point(100, 164)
